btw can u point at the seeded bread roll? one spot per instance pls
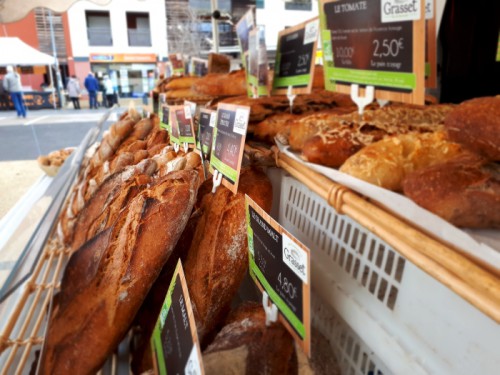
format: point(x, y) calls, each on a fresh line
point(218, 257)
point(108, 278)
point(476, 124)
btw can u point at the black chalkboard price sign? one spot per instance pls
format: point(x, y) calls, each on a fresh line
point(280, 265)
point(295, 58)
point(176, 349)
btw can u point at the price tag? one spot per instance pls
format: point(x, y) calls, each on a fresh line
point(378, 43)
point(165, 117)
point(295, 58)
point(258, 76)
point(205, 131)
point(243, 28)
point(175, 344)
point(430, 45)
point(177, 63)
point(174, 126)
point(198, 67)
point(184, 124)
point(280, 265)
point(229, 142)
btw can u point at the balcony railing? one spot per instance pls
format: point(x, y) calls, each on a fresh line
point(99, 36)
point(139, 37)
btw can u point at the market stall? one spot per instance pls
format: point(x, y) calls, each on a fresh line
point(18, 53)
point(227, 199)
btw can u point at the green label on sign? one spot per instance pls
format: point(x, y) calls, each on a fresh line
point(404, 81)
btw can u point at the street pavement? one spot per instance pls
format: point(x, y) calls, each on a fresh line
point(44, 131)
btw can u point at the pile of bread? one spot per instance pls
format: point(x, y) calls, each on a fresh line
point(136, 209)
point(441, 156)
point(53, 161)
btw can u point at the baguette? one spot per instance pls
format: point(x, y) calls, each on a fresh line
point(107, 279)
point(218, 259)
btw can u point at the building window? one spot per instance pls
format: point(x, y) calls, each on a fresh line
point(298, 4)
point(98, 28)
point(139, 33)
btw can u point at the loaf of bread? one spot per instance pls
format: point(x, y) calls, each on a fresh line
point(178, 83)
point(101, 211)
point(218, 84)
point(464, 191)
point(107, 279)
point(339, 137)
point(476, 124)
point(218, 257)
point(386, 163)
point(245, 345)
point(218, 63)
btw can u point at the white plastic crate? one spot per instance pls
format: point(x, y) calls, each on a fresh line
point(405, 321)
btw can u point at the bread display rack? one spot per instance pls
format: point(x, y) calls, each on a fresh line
point(390, 299)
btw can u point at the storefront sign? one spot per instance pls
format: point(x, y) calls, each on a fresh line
point(176, 349)
point(229, 142)
point(379, 43)
point(295, 58)
point(280, 265)
point(122, 57)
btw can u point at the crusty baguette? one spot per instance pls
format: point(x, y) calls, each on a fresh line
point(476, 124)
point(218, 259)
point(107, 280)
point(464, 191)
point(386, 163)
point(101, 211)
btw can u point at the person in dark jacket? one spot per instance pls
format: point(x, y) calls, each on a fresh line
point(92, 85)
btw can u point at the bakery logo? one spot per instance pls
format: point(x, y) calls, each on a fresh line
point(193, 366)
point(311, 32)
point(400, 10)
point(295, 258)
point(429, 9)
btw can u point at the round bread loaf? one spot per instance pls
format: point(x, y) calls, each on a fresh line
point(464, 191)
point(476, 124)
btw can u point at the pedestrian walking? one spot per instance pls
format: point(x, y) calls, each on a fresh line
point(92, 85)
point(12, 83)
point(110, 91)
point(74, 91)
point(4, 98)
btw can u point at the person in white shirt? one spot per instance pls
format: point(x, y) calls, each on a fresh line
point(109, 90)
point(12, 83)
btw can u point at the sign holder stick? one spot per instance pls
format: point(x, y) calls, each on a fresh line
point(217, 179)
point(382, 102)
point(362, 101)
point(185, 145)
point(176, 147)
point(270, 309)
point(291, 97)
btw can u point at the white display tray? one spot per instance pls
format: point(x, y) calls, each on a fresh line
point(482, 245)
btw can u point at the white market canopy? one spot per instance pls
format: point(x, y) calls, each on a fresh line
point(16, 52)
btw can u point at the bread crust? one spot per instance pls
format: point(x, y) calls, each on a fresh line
point(476, 124)
point(107, 280)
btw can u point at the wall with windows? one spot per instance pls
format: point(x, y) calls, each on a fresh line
point(276, 15)
point(120, 27)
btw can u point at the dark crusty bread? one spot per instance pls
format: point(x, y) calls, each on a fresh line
point(246, 346)
point(101, 211)
point(476, 124)
point(218, 260)
point(465, 191)
point(107, 279)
